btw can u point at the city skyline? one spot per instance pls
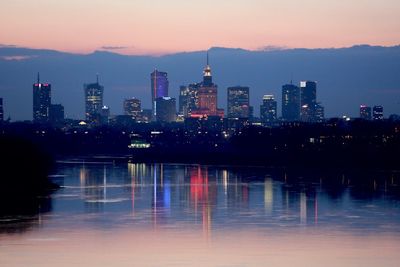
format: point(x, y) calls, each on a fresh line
point(129, 29)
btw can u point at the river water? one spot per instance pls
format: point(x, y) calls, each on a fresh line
point(108, 214)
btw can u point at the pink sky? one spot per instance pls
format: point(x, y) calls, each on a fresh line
point(160, 26)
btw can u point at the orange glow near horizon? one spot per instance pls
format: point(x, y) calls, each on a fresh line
point(162, 27)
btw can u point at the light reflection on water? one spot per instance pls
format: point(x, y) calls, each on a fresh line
point(193, 215)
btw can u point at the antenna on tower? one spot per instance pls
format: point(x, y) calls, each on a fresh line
point(207, 58)
point(38, 77)
point(97, 78)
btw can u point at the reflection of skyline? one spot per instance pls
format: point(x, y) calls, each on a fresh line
point(208, 195)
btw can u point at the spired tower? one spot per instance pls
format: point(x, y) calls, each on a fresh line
point(41, 101)
point(207, 96)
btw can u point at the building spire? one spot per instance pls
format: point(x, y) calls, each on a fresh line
point(97, 78)
point(207, 59)
point(38, 77)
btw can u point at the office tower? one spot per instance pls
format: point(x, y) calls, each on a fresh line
point(365, 112)
point(238, 102)
point(308, 93)
point(93, 101)
point(290, 102)
point(41, 101)
point(188, 99)
point(319, 113)
point(377, 113)
point(1, 110)
point(147, 115)
point(268, 109)
point(56, 113)
point(104, 115)
point(133, 107)
point(159, 87)
point(207, 96)
point(166, 109)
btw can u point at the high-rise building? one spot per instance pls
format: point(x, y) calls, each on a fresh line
point(159, 87)
point(104, 115)
point(1, 110)
point(238, 102)
point(93, 101)
point(377, 113)
point(268, 109)
point(207, 96)
point(308, 92)
point(290, 102)
point(365, 112)
point(319, 113)
point(188, 99)
point(41, 101)
point(56, 113)
point(166, 107)
point(133, 107)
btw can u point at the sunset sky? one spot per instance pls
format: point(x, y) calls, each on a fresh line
point(160, 26)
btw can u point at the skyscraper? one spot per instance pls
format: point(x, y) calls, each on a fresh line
point(1, 110)
point(268, 109)
point(41, 101)
point(207, 96)
point(377, 113)
point(93, 101)
point(365, 112)
point(166, 107)
point(133, 107)
point(188, 99)
point(238, 102)
point(290, 102)
point(56, 113)
point(159, 87)
point(308, 92)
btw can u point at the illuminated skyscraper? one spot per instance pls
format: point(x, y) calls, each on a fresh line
point(238, 102)
point(159, 87)
point(377, 113)
point(365, 112)
point(166, 107)
point(93, 101)
point(1, 110)
point(41, 101)
point(207, 96)
point(308, 92)
point(188, 99)
point(268, 109)
point(133, 107)
point(290, 102)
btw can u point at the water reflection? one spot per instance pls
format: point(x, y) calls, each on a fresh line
point(248, 210)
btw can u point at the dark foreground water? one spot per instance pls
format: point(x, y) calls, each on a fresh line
point(193, 215)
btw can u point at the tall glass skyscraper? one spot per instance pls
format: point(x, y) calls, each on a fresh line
point(238, 102)
point(159, 87)
point(41, 101)
point(1, 110)
point(93, 101)
point(268, 109)
point(308, 91)
point(133, 107)
point(290, 102)
point(188, 99)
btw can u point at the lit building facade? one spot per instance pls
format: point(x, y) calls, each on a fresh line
point(268, 110)
point(93, 101)
point(188, 99)
point(133, 108)
point(290, 102)
point(166, 107)
point(377, 113)
point(41, 101)
point(207, 96)
point(238, 102)
point(365, 112)
point(159, 87)
point(308, 92)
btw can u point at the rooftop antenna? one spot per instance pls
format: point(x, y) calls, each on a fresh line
point(97, 78)
point(207, 58)
point(38, 77)
point(291, 78)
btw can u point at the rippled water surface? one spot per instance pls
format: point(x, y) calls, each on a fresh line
point(194, 215)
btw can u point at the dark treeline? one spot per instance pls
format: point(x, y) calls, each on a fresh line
point(336, 143)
